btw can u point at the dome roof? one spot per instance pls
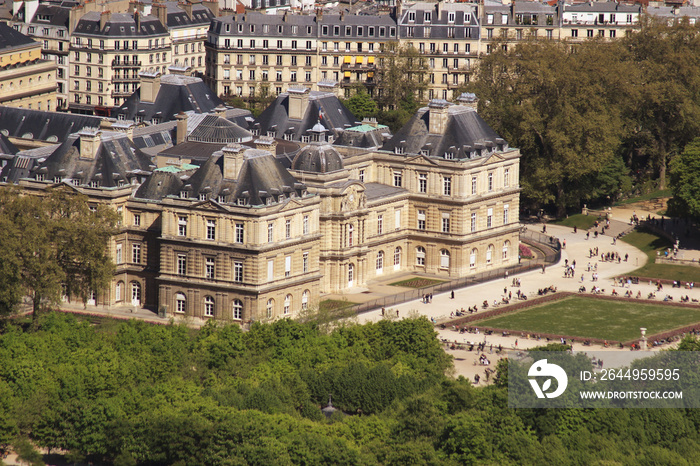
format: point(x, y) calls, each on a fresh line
point(318, 158)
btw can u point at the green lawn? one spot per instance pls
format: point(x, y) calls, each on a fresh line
point(595, 318)
point(581, 221)
point(417, 282)
point(334, 304)
point(645, 197)
point(650, 244)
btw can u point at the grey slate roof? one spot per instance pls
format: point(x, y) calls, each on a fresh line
point(603, 7)
point(6, 146)
point(119, 25)
point(375, 191)
point(261, 177)
point(466, 135)
point(176, 94)
point(58, 15)
point(334, 116)
point(10, 39)
point(216, 129)
point(177, 17)
point(116, 159)
point(42, 125)
point(318, 158)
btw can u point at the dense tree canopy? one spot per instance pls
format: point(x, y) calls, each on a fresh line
point(49, 242)
point(134, 393)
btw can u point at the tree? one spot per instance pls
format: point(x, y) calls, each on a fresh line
point(558, 104)
point(685, 181)
point(402, 74)
point(361, 105)
point(51, 242)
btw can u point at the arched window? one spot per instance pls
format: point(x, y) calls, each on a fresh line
point(237, 309)
point(506, 247)
point(135, 293)
point(489, 254)
point(118, 292)
point(397, 257)
point(472, 258)
point(380, 262)
point(351, 274)
point(180, 303)
point(270, 306)
point(305, 300)
point(287, 304)
point(420, 255)
point(444, 259)
point(209, 306)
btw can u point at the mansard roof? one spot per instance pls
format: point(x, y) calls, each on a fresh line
point(42, 125)
point(177, 17)
point(334, 116)
point(119, 25)
point(112, 160)
point(177, 93)
point(464, 135)
point(11, 39)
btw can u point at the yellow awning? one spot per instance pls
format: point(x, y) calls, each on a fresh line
point(348, 59)
point(347, 74)
point(370, 74)
point(370, 60)
point(359, 60)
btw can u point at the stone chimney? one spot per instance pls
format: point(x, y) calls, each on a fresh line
point(220, 110)
point(267, 143)
point(213, 6)
point(319, 14)
point(160, 11)
point(298, 101)
point(181, 135)
point(150, 85)
point(233, 161)
point(438, 10)
point(187, 6)
point(438, 116)
point(137, 20)
point(105, 17)
point(89, 142)
point(468, 99)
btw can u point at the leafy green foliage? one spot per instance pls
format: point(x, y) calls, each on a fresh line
point(361, 105)
point(132, 393)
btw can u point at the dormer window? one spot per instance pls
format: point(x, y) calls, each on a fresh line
point(268, 201)
point(202, 197)
point(220, 199)
point(449, 156)
point(240, 201)
point(184, 195)
point(40, 177)
point(94, 184)
point(305, 139)
point(398, 150)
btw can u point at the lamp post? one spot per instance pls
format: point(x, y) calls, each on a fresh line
point(643, 344)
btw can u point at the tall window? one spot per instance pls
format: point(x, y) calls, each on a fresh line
point(422, 182)
point(351, 231)
point(287, 266)
point(270, 269)
point(209, 306)
point(209, 268)
point(135, 293)
point(180, 303)
point(505, 214)
point(270, 231)
point(239, 233)
point(351, 274)
point(119, 257)
point(118, 292)
point(489, 218)
point(473, 184)
point(420, 255)
point(305, 300)
point(305, 262)
point(270, 305)
point(506, 178)
point(397, 219)
point(237, 309)
point(444, 259)
point(287, 304)
point(489, 254)
point(137, 220)
point(305, 225)
point(181, 264)
point(421, 219)
point(380, 261)
point(380, 224)
point(288, 228)
point(490, 182)
point(506, 247)
point(447, 186)
point(182, 226)
point(472, 258)
point(136, 253)
point(397, 256)
point(398, 179)
point(473, 223)
point(445, 222)
point(211, 229)
point(238, 271)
